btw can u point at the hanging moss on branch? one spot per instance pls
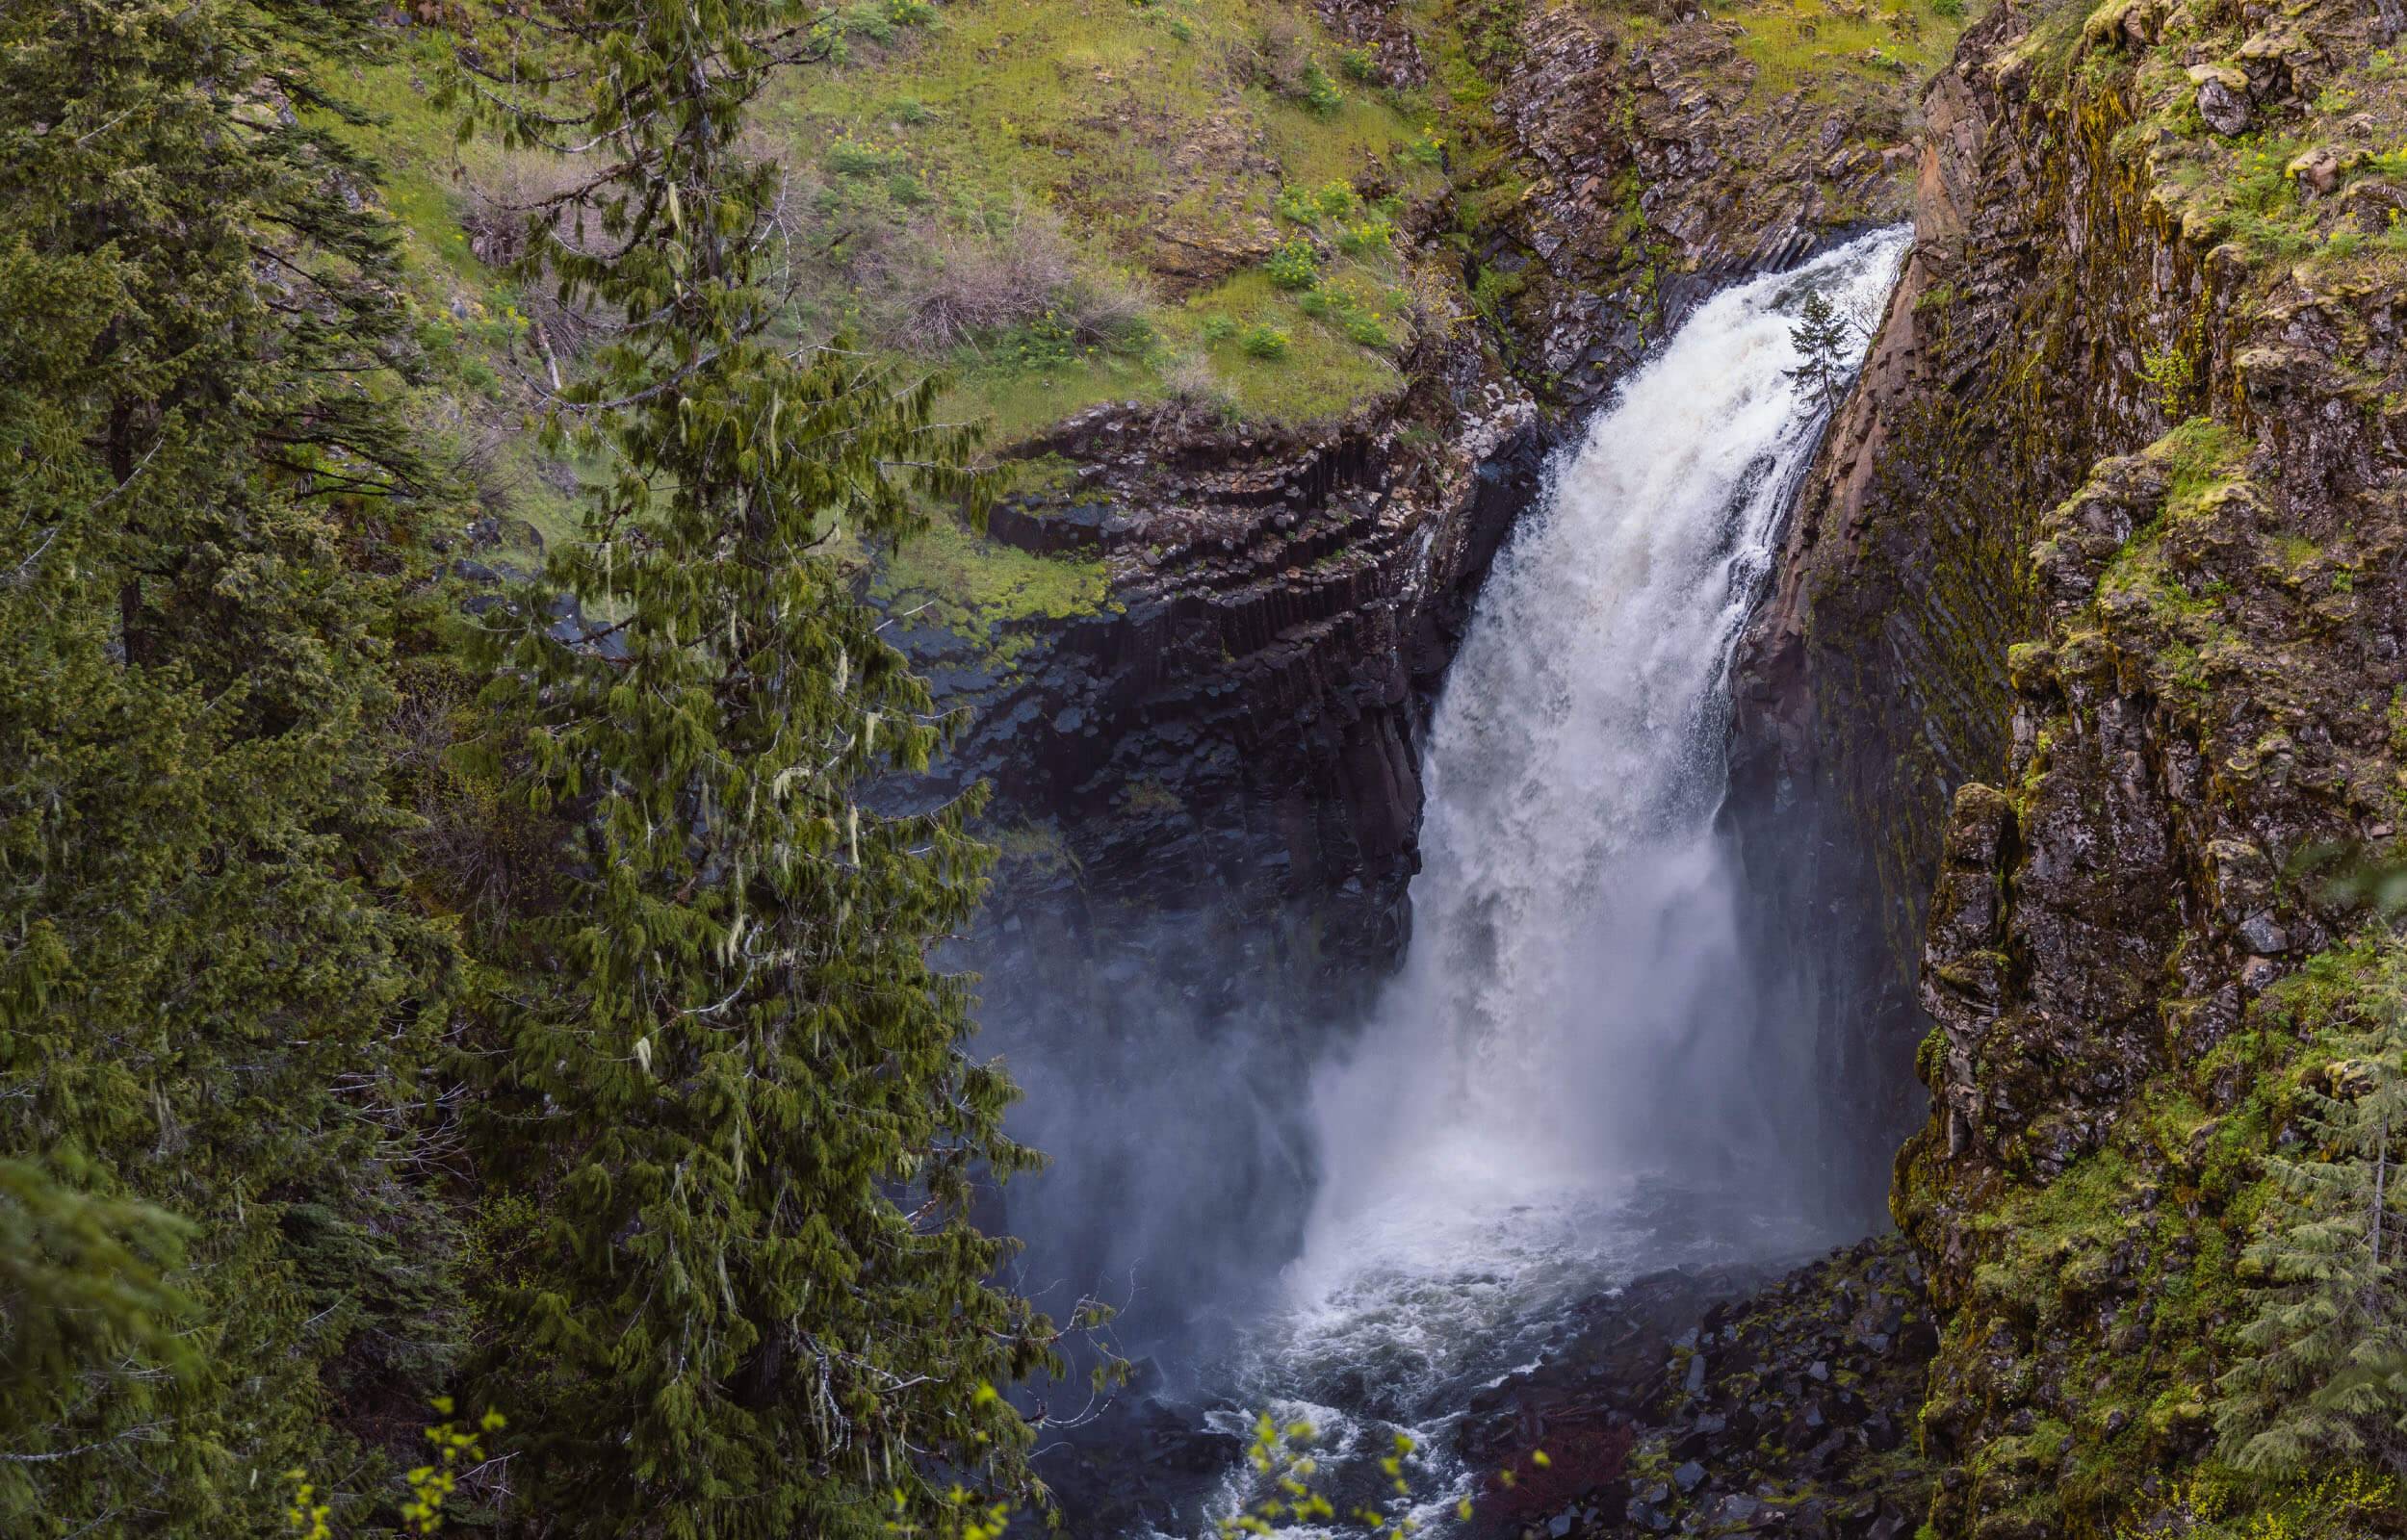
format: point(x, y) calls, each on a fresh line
point(219, 1239)
point(723, 1069)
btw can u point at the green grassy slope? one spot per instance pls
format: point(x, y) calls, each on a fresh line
point(1057, 203)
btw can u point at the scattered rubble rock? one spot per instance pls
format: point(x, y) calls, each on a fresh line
point(1778, 1414)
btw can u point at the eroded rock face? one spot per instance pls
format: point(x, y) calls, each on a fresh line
point(1722, 1401)
point(2088, 638)
point(1658, 174)
point(1237, 727)
point(1873, 681)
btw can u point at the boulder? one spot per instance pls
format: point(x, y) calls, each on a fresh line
point(2222, 97)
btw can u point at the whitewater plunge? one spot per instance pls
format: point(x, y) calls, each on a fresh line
point(1576, 1074)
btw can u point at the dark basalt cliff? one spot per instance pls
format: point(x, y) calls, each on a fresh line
point(1237, 728)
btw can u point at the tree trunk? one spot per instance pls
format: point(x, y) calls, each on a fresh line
point(2381, 1169)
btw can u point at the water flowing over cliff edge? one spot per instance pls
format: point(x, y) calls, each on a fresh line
point(1578, 1073)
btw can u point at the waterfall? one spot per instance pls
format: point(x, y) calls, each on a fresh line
point(1573, 1074)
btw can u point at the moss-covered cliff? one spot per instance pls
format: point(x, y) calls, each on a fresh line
point(2096, 605)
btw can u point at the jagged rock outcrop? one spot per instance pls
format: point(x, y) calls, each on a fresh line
point(1238, 726)
point(1873, 682)
point(1662, 174)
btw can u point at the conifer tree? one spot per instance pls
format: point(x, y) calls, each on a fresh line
point(1821, 337)
point(2327, 1372)
point(730, 1081)
point(206, 991)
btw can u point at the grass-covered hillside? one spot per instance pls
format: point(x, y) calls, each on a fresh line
point(1256, 208)
point(1268, 214)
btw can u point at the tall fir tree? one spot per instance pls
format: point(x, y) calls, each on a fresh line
point(2327, 1372)
point(732, 1087)
point(208, 998)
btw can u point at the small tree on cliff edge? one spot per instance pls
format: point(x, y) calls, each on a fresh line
point(731, 1082)
point(1821, 337)
point(2327, 1375)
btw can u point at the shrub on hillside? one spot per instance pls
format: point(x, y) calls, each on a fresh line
point(1320, 93)
point(1366, 236)
point(1191, 381)
point(953, 287)
point(506, 201)
point(1295, 265)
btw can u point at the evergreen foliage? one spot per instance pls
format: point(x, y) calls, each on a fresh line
point(724, 1071)
point(2327, 1374)
point(210, 1002)
point(1821, 337)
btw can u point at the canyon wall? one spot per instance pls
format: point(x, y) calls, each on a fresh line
point(2083, 654)
point(2078, 680)
point(2094, 610)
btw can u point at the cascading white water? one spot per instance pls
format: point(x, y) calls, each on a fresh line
point(1573, 1034)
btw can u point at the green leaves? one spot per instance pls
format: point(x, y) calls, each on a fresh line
point(2326, 1371)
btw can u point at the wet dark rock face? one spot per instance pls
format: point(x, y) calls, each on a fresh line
point(1787, 1410)
point(1237, 728)
point(1873, 682)
point(1146, 1464)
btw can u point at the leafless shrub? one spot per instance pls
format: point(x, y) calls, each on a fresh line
point(1429, 308)
point(479, 465)
point(506, 205)
point(960, 284)
point(1110, 311)
point(1190, 381)
point(1281, 48)
point(951, 287)
point(508, 201)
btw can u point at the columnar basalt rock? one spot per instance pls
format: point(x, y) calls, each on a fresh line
point(1237, 727)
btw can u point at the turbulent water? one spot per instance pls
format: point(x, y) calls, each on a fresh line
point(1573, 1077)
